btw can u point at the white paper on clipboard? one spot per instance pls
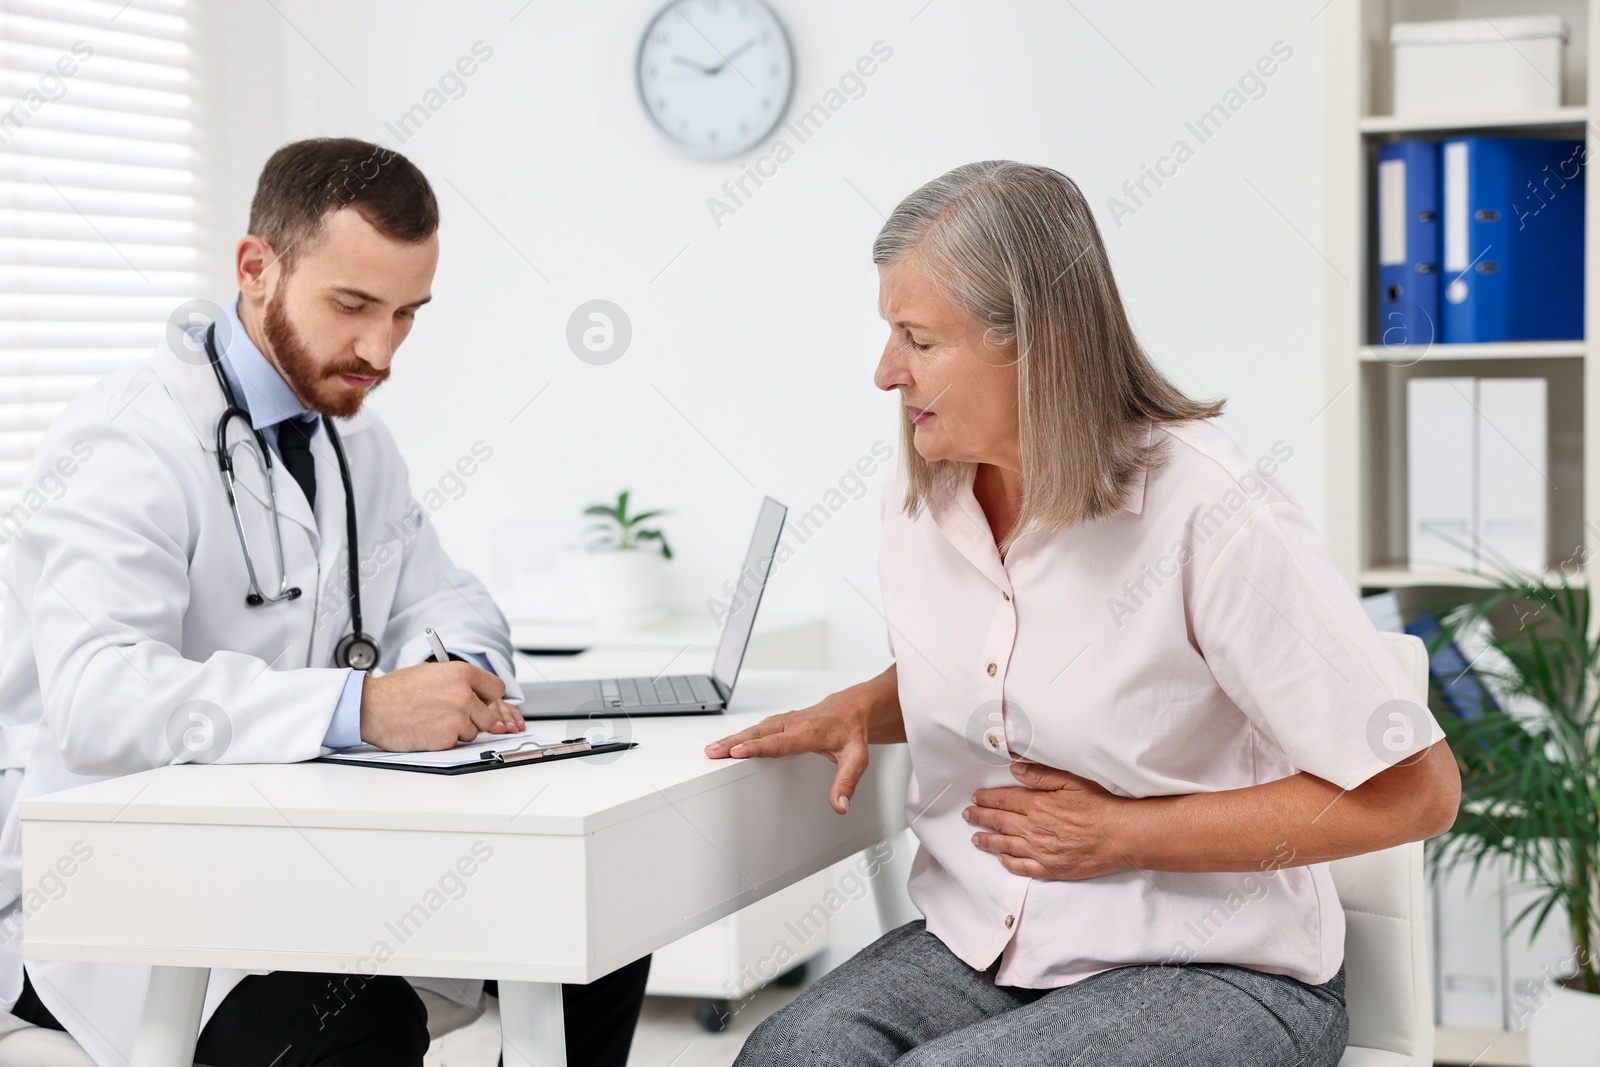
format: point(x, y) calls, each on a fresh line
point(470, 753)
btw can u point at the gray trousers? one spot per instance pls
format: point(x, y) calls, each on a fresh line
point(907, 1000)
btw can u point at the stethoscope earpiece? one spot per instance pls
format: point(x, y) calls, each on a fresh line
point(255, 600)
point(355, 649)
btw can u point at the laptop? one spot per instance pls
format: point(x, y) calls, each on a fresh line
point(676, 694)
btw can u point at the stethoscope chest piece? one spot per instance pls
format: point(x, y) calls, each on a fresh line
point(357, 651)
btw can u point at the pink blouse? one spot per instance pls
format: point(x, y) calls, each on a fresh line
point(1201, 639)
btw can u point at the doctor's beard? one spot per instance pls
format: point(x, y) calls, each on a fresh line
point(319, 388)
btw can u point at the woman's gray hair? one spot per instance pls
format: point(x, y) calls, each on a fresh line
point(1017, 246)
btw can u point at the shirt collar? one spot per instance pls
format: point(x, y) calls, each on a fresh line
point(964, 502)
point(260, 389)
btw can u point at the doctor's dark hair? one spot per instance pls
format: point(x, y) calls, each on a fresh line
point(1017, 246)
point(306, 180)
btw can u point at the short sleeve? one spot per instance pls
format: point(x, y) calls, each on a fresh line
point(1288, 642)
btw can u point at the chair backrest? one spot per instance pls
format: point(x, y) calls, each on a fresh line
point(1388, 980)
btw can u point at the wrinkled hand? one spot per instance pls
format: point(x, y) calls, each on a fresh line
point(836, 727)
point(433, 706)
point(1052, 826)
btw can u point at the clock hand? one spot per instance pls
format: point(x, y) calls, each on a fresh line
point(693, 65)
point(731, 56)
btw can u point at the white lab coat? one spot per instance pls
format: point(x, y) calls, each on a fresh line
point(125, 600)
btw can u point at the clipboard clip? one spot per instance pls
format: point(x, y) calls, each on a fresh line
point(533, 750)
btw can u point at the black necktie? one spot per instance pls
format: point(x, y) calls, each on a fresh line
point(294, 445)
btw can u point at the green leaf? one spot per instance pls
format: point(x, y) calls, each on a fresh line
point(622, 531)
point(658, 537)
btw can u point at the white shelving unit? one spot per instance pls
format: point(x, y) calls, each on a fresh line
point(1561, 116)
point(1480, 1048)
point(1366, 424)
point(1501, 350)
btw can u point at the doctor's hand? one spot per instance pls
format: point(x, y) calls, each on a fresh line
point(1054, 825)
point(433, 706)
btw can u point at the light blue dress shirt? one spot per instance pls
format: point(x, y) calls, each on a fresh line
point(268, 400)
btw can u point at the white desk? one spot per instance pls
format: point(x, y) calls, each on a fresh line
point(728, 959)
point(311, 866)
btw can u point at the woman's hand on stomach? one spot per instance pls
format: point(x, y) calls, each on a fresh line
point(1053, 825)
point(1059, 825)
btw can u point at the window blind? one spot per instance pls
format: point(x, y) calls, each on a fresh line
point(100, 199)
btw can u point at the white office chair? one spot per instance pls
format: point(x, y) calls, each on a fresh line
point(36, 1047)
point(1388, 981)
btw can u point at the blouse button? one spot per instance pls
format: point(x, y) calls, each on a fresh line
point(992, 668)
point(1009, 920)
point(1005, 595)
point(992, 739)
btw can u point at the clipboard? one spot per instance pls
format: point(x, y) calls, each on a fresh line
point(485, 754)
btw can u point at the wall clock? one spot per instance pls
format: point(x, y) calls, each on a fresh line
point(715, 75)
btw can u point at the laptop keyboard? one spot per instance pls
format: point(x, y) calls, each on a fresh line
point(668, 690)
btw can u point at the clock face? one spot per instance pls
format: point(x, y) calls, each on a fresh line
point(715, 75)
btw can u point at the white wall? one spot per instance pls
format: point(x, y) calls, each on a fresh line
point(763, 332)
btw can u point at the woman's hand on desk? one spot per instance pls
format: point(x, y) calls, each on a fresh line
point(837, 728)
point(1050, 826)
point(840, 727)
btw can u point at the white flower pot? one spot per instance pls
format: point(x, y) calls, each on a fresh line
point(1565, 1031)
point(624, 586)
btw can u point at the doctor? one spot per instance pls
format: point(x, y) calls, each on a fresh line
point(139, 631)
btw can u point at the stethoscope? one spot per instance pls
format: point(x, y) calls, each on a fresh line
point(355, 649)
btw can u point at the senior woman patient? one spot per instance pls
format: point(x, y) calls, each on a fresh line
point(1143, 709)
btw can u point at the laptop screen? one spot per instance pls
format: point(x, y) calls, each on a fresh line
point(749, 583)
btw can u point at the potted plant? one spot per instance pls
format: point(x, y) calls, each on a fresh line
point(622, 567)
point(1530, 764)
